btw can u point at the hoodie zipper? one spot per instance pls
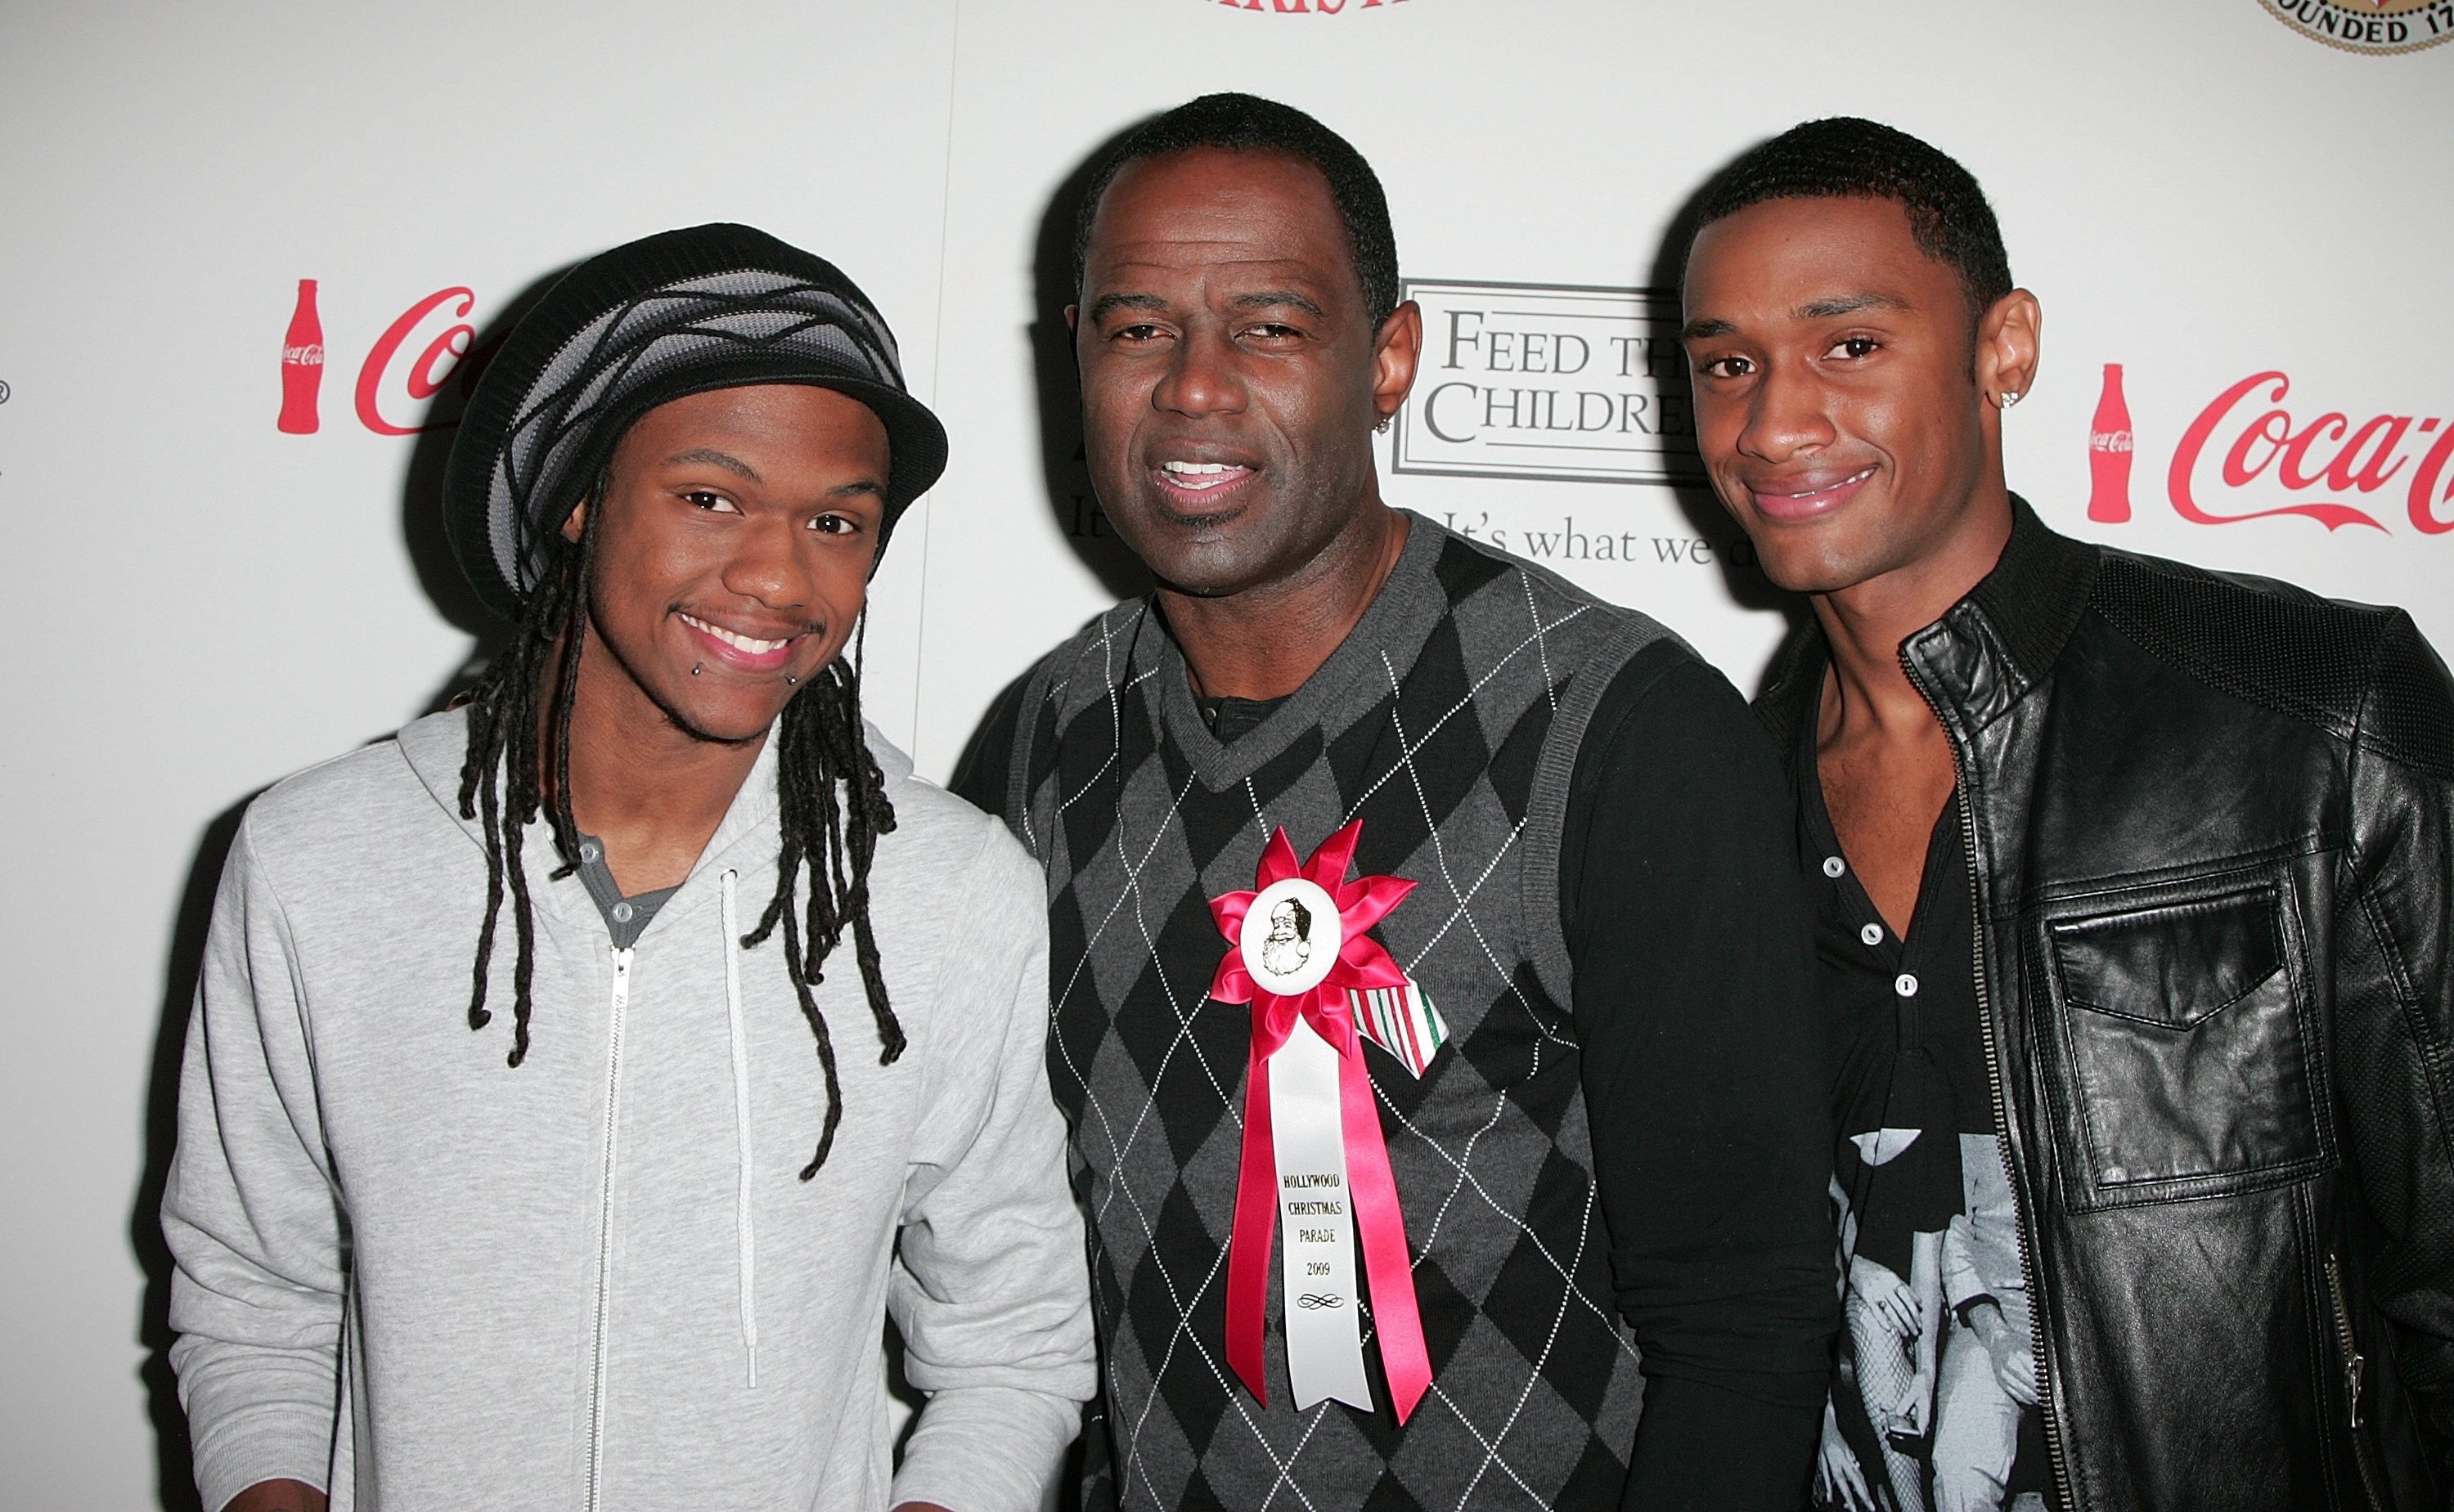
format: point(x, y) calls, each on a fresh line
point(621, 1001)
point(2039, 1348)
point(2355, 1366)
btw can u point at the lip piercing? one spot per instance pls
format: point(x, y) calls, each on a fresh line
point(694, 669)
point(791, 680)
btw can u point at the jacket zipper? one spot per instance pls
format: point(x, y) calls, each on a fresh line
point(2041, 1341)
point(2354, 1368)
point(605, 1231)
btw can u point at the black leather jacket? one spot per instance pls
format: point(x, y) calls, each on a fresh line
point(2212, 826)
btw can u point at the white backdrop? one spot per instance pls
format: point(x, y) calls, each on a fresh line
point(2194, 192)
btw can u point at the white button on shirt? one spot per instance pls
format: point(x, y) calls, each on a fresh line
point(1904, 984)
point(1872, 934)
point(1834, 865)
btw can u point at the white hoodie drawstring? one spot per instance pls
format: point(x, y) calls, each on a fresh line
point(741, 1122)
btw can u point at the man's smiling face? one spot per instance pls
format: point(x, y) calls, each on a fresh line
point(1231, 373)
point(1837, 405)
point(733, 555)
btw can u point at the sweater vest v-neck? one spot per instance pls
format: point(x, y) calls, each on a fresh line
point(1448, 722)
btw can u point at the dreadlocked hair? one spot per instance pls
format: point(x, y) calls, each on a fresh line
point(832, 798)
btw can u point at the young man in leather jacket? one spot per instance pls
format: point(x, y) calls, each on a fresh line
point(2134, 909)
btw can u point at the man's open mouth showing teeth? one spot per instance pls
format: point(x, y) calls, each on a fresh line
point(1781, 501)
point(1202, 477)
point(1809, 493)
point(749, 644)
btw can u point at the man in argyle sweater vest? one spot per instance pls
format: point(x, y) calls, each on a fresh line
point(1447, 722)
point(1313, 659)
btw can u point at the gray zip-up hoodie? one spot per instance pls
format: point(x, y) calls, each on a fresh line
point(425, 1280)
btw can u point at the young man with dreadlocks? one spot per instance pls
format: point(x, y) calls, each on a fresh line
point(637, 1247)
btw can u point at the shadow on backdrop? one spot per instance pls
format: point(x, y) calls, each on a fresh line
point(174, 1468)
point(421, 501)
point(421, 520)
point(1073, 504)
point(1733, 555)
point(1072, 500)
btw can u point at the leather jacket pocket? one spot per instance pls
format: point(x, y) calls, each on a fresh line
point(2188, 1053)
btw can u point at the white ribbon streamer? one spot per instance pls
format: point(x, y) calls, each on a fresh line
point(1316, 1226)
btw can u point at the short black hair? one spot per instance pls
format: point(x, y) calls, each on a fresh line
point(1246, 123)
point(1846, 157)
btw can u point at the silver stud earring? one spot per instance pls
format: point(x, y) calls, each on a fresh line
point(1383, 427)
point(2010, 397)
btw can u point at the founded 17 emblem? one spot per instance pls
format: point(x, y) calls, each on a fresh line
point(2368, 26)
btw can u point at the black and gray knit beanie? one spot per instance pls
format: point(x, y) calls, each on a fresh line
point(678, 313)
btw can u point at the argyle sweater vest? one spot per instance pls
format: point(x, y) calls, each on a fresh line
point(1448, 722)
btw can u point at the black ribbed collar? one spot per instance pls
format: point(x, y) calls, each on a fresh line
point(2032, 601)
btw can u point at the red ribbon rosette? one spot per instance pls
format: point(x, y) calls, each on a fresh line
point(1316, 992)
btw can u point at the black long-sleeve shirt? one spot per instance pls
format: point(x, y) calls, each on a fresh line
point(1695, 998)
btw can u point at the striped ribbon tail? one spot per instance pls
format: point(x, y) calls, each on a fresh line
point(1402, 1021)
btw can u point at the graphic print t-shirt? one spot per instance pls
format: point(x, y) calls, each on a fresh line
point(1927, 1223)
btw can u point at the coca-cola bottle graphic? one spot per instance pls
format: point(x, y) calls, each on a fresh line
point(2108, 453)
point(302, 364)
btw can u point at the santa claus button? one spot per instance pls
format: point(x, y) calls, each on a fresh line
point(1291, 937)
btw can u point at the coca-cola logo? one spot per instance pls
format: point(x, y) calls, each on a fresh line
point(2368, 26)
point(428, 347)
point(383, 375)
point(2248, 455)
